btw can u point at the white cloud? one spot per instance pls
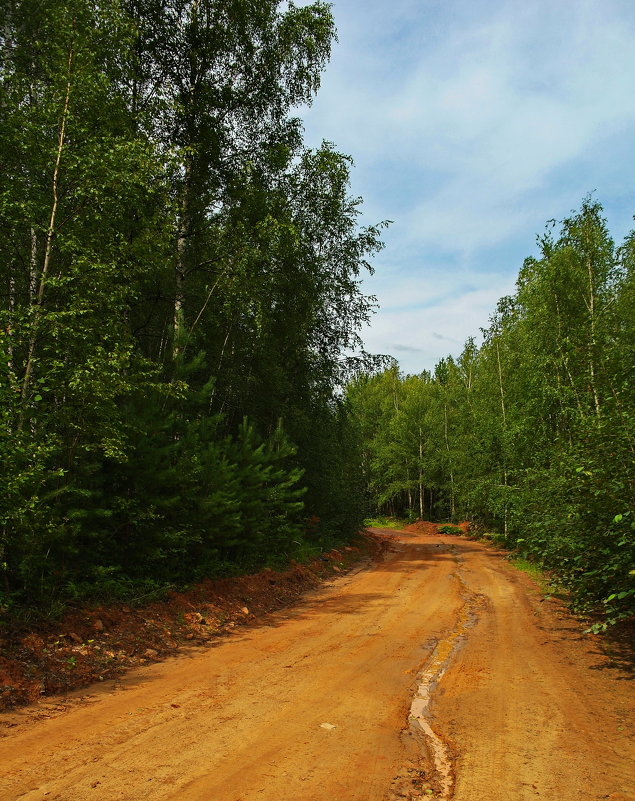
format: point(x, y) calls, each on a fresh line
point(420, 335)
point(470, 124)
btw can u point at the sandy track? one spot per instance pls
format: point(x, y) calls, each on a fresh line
point(505, 702)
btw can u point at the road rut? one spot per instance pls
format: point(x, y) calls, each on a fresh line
point(434, 673)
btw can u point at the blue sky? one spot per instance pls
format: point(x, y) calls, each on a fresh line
point(471, 123)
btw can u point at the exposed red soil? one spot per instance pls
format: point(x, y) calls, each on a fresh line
point(92, 644)
point(438, 671)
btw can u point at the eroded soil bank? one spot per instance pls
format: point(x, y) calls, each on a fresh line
point(437, 672)
point(93, 644)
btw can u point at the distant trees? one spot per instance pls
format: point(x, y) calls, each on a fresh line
point(532, 434)
point(179, 284)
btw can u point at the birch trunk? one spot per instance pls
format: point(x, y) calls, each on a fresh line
point(447, 447)
point(48, 242)
point(592, 343)
point(421, 498)
point(180, 269)
point(504, 417)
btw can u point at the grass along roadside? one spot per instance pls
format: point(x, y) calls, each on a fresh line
point(396, 523)
point(542, 578)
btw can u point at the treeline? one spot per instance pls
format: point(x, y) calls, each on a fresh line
point(179, 277)
point(532, 434)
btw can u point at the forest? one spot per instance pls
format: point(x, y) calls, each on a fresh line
point(530, 436)
point(180, 283)
point(184, 389)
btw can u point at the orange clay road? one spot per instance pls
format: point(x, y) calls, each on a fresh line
point(435, 673)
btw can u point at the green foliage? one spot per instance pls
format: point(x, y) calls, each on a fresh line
point(449, 529)
point(385, 522)
point(530, 435)
point(179, 278)
point(531, 568)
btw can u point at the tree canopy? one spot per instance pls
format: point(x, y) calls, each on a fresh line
point(180, 283)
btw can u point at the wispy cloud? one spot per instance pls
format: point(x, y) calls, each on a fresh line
point(470, 124)
point(437, 335)
point(422, 336)
point(404, 348)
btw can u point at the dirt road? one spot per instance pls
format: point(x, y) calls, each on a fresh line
point(435, 673)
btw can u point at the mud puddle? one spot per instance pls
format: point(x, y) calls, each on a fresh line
point(428, 680)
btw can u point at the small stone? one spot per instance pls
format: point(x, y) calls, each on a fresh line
point(150, 653)
point(244, 610)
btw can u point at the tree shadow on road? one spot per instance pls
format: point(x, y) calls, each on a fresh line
point(619, 649)
point(404, 556)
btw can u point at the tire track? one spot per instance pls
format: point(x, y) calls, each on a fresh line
point(443, 654)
